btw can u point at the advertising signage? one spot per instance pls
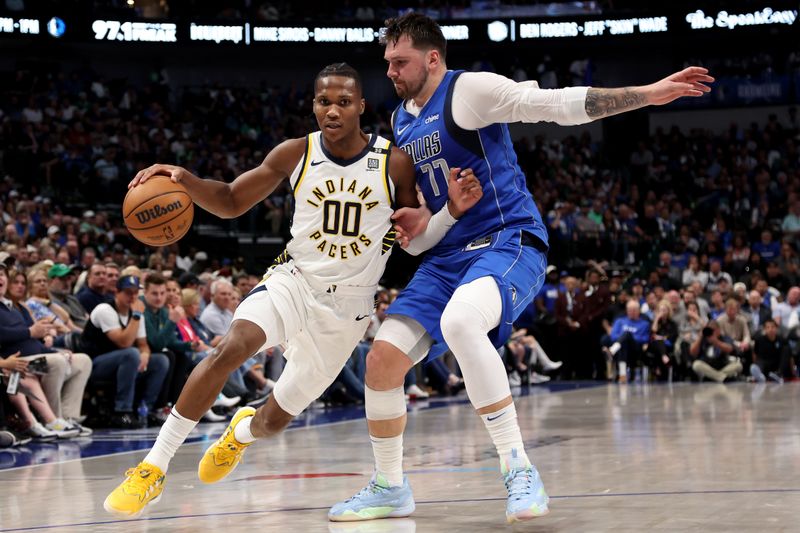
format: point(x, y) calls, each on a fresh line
point(489, 32)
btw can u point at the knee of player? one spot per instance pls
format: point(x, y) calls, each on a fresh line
point(382, 358)
point(385, 366)
point(456, 322)
point(228, 355)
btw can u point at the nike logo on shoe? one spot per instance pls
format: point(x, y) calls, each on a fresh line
point(361, 317)
point(315, 163)
point(489, 418)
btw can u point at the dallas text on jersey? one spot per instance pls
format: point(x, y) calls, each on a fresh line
point(424, 147)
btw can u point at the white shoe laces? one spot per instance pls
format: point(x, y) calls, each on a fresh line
point(519, 483)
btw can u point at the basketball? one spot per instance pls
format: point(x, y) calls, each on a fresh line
point(158, 212)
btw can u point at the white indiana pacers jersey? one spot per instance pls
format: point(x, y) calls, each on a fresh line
point(341, 229)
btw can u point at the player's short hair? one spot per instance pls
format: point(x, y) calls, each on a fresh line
point(423, 31)
point(340, 69)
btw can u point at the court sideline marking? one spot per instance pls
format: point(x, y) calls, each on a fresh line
point(425, 502)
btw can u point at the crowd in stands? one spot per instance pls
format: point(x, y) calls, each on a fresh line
point(681, 262)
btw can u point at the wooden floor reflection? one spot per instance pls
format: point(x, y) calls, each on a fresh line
point(686, 457)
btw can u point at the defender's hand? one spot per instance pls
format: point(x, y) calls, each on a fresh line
point(463, 191)
point(688, 82)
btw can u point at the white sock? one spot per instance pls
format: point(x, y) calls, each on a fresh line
point(614, 348)
point(389, 458)
point(242, 431)
point(504, 430)
point(170, 437)
point(622, 368)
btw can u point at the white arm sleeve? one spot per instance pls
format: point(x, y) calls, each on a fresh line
point(439, 224)
point(484, 98)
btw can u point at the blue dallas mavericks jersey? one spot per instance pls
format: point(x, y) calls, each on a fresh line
point(504, 215)
point(489, 152)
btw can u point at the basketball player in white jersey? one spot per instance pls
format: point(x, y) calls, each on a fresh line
point(318, 295)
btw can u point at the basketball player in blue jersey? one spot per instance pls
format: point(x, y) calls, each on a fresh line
point(484, 272)
point(315, 298)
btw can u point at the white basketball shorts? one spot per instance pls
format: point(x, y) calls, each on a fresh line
point(320, 327)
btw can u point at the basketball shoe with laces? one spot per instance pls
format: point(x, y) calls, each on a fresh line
point(143, 485)
point(526, 496)
point(376, 500)
point(222, 457)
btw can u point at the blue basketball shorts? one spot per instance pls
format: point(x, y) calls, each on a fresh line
point(515, 258)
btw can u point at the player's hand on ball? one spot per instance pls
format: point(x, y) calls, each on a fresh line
point(410, 222)
point(463, 190)
point(175, 173)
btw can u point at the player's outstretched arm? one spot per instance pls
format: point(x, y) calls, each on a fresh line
point(690, 82)
point(484, 98)
point(229, 200)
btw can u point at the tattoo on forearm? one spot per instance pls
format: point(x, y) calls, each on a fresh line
point(606, 102)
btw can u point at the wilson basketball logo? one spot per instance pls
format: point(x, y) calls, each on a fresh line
point(157, 211)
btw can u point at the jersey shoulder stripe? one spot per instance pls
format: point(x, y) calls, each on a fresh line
point(387, 186)
point(386, 178)
point(304, 164)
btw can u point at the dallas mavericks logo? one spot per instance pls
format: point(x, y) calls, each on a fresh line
point(157, 211)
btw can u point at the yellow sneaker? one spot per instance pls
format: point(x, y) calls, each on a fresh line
point(142, 485)
point(222, 457)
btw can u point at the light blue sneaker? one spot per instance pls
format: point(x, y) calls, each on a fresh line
point(376, 500)
point(526, 496)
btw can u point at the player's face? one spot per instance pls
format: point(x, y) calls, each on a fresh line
point(338, 105)
point(407, 67)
